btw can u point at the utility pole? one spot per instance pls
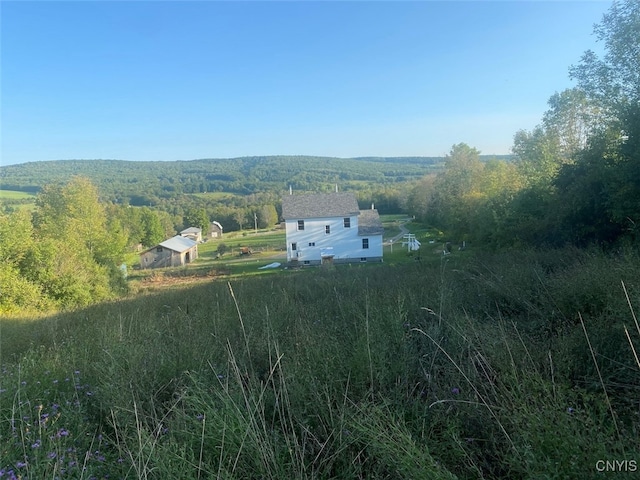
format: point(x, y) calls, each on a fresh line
point(255, 222)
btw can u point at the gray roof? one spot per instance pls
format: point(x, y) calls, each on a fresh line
point(369, 223)
point(179, 244)
point(192, 230)
point(319, 205)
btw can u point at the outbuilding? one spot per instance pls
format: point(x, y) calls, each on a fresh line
point(174, 252)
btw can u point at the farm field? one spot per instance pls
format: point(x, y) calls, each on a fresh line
point(15, 195)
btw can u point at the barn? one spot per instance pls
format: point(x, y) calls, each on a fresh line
point(174, 252)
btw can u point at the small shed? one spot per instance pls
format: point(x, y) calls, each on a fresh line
point(174, 252)
point(194, 233)
point(215, 230)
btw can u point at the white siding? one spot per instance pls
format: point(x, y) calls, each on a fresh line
point(345, 242)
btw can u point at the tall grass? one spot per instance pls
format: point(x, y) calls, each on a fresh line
point(462, 369)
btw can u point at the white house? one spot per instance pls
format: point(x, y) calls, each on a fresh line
point(329, 227)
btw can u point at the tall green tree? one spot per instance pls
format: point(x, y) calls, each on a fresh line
point(153, 231)
point(197, 217)
point(267, 216)
point(453, 201)
point(77, 251)
point(608, 178)
point(17, 293)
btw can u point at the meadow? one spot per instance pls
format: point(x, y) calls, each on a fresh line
point(506, 365)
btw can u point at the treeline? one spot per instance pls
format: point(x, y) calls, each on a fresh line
point(147, 183)
point(64, 254)
point(576, 177)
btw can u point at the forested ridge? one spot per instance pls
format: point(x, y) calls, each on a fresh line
point(120, 179)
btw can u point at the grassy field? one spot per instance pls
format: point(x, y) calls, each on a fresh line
point(268, 246)
point(15, 195)
point(16, 199)
point(513, 365)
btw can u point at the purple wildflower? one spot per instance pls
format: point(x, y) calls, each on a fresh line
point(455, 390)
point(52, 455)
point(36, 444)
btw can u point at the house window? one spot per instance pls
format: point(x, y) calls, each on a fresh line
point(294, 246)
point(307, 262)
point(363, 259)
point(158, 249)
point(347, 222)
point(365, 243)
point(300, 224)
point(312, 244)
point(327, 229)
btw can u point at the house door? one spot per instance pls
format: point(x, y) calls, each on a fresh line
point(187, 257)
point(327, 260)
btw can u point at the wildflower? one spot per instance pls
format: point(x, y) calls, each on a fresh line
point(21, 464)
point(36, 444)
point(570, 410)
point(200, 417)
point(52, 455)
point(455, 390)
point(23, 382)
point(55, 381)
point(62, 433)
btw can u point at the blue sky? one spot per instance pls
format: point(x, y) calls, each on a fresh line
point(162, 80)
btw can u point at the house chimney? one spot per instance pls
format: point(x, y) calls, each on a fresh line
point(290, 190)
point(336, 188)
point(372, 206)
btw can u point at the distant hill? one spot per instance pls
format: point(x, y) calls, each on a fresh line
point(124, 180)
